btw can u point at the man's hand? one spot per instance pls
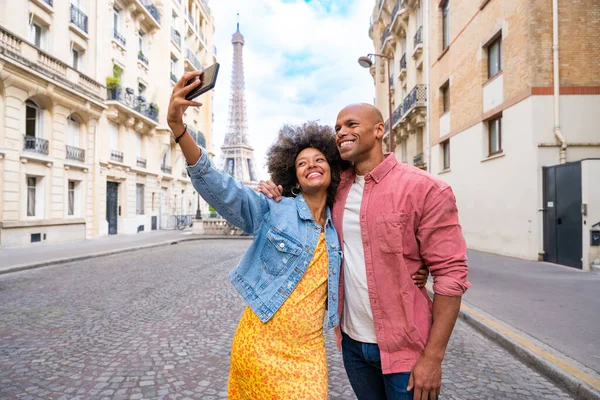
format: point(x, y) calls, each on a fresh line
point(426, 378)
point(270, 190)
point(420, 278)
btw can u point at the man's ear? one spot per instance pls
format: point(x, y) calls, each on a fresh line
point(379, 130)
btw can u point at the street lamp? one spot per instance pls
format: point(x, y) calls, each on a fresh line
point(366, 62)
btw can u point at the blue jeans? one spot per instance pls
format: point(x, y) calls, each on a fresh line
point(363, 366)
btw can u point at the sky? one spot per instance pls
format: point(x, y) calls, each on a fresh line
point(300, 64)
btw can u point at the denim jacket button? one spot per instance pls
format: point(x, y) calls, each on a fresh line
point(282, 245)
point(333, 272)
point(334, 297)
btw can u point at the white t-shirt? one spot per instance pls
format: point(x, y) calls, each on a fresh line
point(357, 318)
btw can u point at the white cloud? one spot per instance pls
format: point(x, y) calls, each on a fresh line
point(300, 64)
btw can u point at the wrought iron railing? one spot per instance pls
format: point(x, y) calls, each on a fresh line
point(386, 34)
point(418, 159)
point(116, 155)
point(143, 58)
point(418, 37)
point(403, 61)
point(36, 144)
point(176, 36)
point(190, 56)
point(416, 97)
point(141, 162)
point(118, 37)
point(396, 8)
point(166, 169)
point(75, 153)
point(137, 103)
point(79, 18)
point(152, 10)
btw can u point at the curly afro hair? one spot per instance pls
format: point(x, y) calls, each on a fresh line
point(292, 139)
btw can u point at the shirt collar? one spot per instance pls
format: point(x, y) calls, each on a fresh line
point(304, 212)
point(378, 173)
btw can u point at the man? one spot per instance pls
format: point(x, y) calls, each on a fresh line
point(392, 218)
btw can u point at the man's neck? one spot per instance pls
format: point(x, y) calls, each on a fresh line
point(367, 165)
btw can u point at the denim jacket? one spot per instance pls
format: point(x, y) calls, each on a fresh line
point(285, 239)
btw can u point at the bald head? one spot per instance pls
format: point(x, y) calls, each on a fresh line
point(365, 110)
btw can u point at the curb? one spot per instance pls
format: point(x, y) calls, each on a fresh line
point(65, 260)
point(543, 359)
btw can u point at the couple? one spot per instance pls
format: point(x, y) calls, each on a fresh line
point(383, 218)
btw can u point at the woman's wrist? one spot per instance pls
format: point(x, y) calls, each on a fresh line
point(177, 127)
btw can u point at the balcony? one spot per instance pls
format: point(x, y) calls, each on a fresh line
point(134, 103)
point(116, 155)
point(47, 5)
point(192, 61)
point(398, 13)
point(166, 169)
point(176, 37)
point(36, 145)
point(403, 66)
point(141, 162)
point(418, 47)
point(418, 40)
point(152, 10)
point(415, 99)
point(143, 58)
point(396, 116)
point(119, 38)
point(75, 153)
point(419, 160)
point(387, 34)
point(79, 19)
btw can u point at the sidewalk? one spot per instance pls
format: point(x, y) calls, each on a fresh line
point(20, 258)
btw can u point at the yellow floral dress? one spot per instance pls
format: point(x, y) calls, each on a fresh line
point(285, 357)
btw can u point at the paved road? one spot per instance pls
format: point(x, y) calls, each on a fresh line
point(158, 324)
point(557, 305)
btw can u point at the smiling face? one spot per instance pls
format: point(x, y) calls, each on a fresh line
point(312, 171)
point(359, 129)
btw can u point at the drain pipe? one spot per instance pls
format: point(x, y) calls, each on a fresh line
point(556, 97)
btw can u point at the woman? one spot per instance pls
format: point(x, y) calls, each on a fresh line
point(289, 275)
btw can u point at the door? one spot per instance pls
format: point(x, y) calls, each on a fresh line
point(112, 206)
point(562, 214)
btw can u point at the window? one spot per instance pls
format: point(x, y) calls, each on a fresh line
point(445, 89)
point(404, 93)
point(71, 189)
point(116, 19)
point(139, 145)
point(72, 132)
point(446, 154)
point(33, 119)
point(31, 189)
point(173, 65)
point(495, 57)
point(166, 161)
point(445, 24)
point(495, 135)
point(114, 136)
point(37, 35)
point(419, 15)
point(79, 4)
point(404, 151)
point(142, 42)
point(141, 90)
point(139, 199)
point(76, 59)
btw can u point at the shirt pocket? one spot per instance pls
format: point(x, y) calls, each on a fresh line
point(390, 228)
point(279, 252)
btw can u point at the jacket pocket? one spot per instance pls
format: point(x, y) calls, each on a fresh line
point(279, 252)
point(390, 228)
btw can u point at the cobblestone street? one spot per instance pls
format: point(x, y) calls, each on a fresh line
point(159, 323)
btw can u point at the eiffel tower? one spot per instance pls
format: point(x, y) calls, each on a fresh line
point(236, 152)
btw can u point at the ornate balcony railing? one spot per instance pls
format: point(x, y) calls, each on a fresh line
point(418, 159)
point(137, 103)
point(75, 153)
point(166, 169)
point(143, 58)
point(119, 38)
point(176, 37)
point(403, 61)
point(79, 18)
point(116, 155)
point(416, 97)
point(36, 144)
point(386, 34)
point(148, 5)
point(190, 56)
point(418, 37)
point(141, 162)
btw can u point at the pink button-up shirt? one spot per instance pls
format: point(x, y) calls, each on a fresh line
point(407, 219)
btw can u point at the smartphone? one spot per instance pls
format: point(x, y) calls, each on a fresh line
point(209, 79)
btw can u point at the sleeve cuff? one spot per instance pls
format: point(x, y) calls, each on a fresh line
point(447, 286)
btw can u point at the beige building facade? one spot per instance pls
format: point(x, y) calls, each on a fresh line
point(85, 150)
point(521, 160)
point(398, 31)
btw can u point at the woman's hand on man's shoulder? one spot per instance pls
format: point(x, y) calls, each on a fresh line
point(271, 190)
